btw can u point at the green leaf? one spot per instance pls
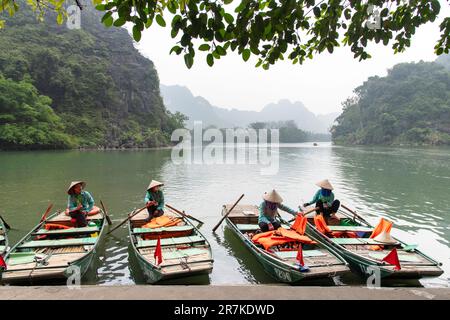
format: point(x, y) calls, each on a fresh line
point(176, 49)
point(108, 22)
point(204, 47)
point(220, 50)
point(246, 54)
point(188, 60)
point(316, 11)
point(119, 22)
point(228, 18)
point(160, 20)
point(136, 34)
point(227, 1)
point(106, 16)
point(210, 59)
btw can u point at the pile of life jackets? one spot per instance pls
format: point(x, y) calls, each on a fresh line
point(158, 222)
point(283, 236)
point(162, 221)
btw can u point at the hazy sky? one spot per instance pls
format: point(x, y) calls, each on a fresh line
point(321, 84)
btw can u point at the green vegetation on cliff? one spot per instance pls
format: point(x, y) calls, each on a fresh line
point(411, 105)
point(101, 90)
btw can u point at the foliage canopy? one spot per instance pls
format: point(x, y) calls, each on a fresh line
point(271, 30)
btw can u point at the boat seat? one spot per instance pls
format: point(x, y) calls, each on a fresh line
point(247, 226)
point(2, 238)
point(2, 248)
point(351, 228)
point(293, 254)
point(63, 218)
point(170, 241)
point(183, 253)
point(68, 231)
point(163, 229)
point(252, 227)
point(356, 241)
point(58, 243)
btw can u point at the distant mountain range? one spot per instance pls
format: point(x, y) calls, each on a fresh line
point(179, 98)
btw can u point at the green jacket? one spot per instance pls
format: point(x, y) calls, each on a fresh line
point(157, 196)
point(266, 215)
point(85, 198)
point(318, 196)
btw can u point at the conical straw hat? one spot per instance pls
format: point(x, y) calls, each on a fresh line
point(272, 196)
point(74, 183)
point(154, 183)
point(385, 237)
point(325, 184)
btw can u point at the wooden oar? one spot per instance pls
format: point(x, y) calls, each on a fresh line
point(106, 213)
point(129, 217)
point(46, 212)
point(5, 223)
point(226, 215)
point(354, 213)
point(183, 214)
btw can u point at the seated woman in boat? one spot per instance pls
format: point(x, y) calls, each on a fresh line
point(268, 211)
point(79, 204)
point(324, 200)
point(154, 199)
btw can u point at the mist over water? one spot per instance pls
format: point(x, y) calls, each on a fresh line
point(408, 186)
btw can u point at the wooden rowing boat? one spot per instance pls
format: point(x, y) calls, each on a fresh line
point(54, 255)
point(359, 253)
point(4, 244)
point(281, 265)
point(185, 251)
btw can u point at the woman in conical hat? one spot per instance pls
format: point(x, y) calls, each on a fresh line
point(324, 200)
point(154, 199)
point(268, 211)
point(79, 203)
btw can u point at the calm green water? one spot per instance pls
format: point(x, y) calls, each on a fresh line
point(409, 186)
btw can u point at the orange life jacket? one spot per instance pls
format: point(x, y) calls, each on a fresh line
point(321, 224)
point(55, 226)
point(383, 225)
point(300, 224)
point(281, 236)
point(162, 221)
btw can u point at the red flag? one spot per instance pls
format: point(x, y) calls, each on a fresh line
point(392, 258)
point(299, 257)
point(158, 252)
point(2, 263)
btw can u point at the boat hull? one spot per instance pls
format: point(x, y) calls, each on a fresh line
point(369, 267)
point(282, 272)
point(68, 274)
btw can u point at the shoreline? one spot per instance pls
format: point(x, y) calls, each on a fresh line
point(219, 292)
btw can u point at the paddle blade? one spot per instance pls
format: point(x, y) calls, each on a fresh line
point(47, 212)
point(108, 219)
point(5, 223)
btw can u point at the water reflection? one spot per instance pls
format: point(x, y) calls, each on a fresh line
point(408, 186)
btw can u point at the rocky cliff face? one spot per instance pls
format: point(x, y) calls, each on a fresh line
point(103, 89)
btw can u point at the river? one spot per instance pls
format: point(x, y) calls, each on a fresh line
point(410, 186)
